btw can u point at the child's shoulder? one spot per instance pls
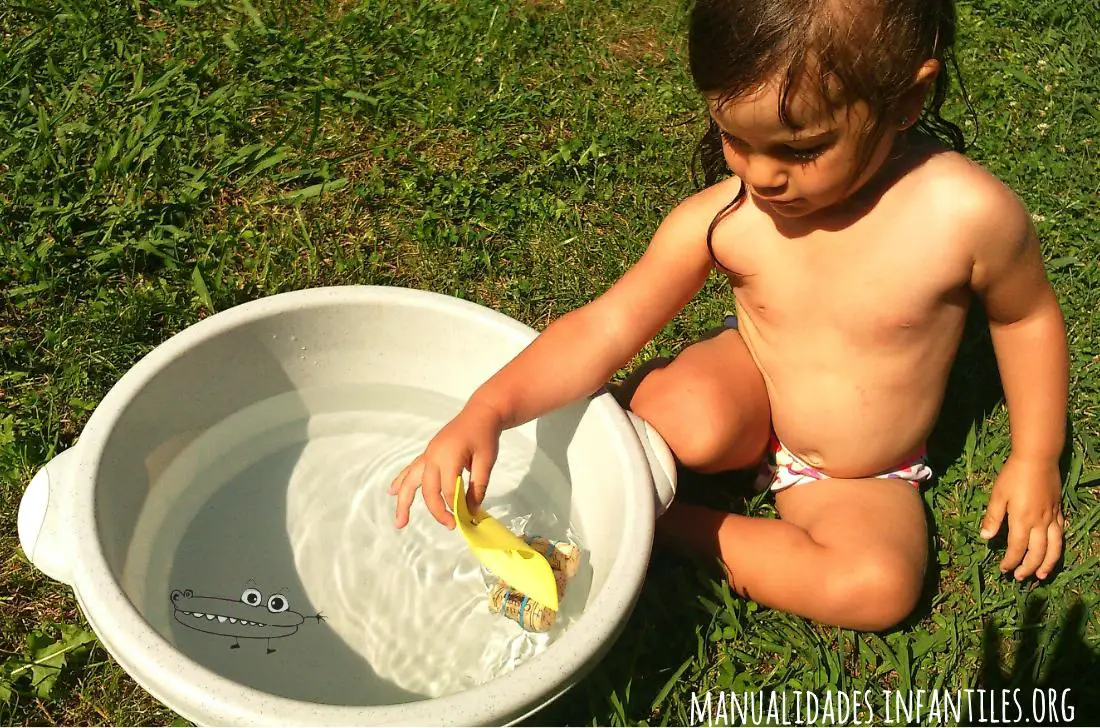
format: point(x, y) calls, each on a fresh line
point(970, 199)
point(710, 199)
point(694, 214)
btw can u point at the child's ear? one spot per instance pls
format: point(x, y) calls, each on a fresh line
point(913, 101)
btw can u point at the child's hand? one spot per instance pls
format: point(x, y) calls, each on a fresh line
point(468, 441)
point(1029, 491)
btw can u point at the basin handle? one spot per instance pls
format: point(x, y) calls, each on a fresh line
point(43, 527)
point(662, 465)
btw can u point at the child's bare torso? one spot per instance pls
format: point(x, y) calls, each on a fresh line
point(854, 328)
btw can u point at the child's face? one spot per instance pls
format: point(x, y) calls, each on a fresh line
point(796, 172)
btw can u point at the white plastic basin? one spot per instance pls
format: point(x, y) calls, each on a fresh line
point(101, 511)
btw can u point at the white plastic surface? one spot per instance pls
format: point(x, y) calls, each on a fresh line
point(662, 464)
point(41, 519)
point(296, 342)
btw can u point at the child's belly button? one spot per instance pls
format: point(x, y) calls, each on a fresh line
point(813, 458)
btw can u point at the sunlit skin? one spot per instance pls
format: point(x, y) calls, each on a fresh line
point(851, 288)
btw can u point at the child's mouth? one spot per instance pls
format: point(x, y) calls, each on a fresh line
point(783, 204)
point(775, 201)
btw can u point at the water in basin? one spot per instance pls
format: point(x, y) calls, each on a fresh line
point(284, 506)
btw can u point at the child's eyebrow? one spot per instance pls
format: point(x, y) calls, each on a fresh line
point(799, 136)
point(814, 137)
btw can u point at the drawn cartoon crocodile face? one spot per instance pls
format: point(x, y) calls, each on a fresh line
point(251, 616)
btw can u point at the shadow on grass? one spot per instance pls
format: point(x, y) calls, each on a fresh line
point(1051, 681)
point(973, 392)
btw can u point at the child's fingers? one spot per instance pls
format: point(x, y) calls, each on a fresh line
point(1036, 552)
point(449, 483)
point(994, 516)
point(1054, 550)
point(405, 494)
point(1017, 547)
point(432, 491)
point(480, 466)
point(395, 486)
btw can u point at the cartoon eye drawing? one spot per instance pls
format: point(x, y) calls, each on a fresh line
point(277, 603)
point(252, 597)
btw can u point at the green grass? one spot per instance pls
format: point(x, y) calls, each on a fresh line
point(163, 160)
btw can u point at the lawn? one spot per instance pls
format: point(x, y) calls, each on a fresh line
point(162, 160)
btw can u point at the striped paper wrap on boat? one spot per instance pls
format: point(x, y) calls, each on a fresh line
point(532, 616)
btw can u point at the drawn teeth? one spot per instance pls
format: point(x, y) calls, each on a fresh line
point(221, 619)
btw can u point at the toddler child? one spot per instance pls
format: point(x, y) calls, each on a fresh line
point(855, 236)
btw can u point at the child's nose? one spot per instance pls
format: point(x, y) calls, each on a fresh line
point(764, 175)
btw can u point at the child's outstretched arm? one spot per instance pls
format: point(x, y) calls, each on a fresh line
point(1029, 340)
point(573, 357)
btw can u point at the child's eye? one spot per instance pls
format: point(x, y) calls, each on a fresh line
point(732, 140)
point(804, 155)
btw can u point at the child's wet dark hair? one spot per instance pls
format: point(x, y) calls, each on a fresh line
point(840, 51)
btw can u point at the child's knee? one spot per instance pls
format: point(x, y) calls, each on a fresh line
point(879, 591)
point(625, 391)
point(706, 433)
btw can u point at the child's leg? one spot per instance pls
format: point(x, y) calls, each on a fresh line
point(845, 552)
point(710, 404)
